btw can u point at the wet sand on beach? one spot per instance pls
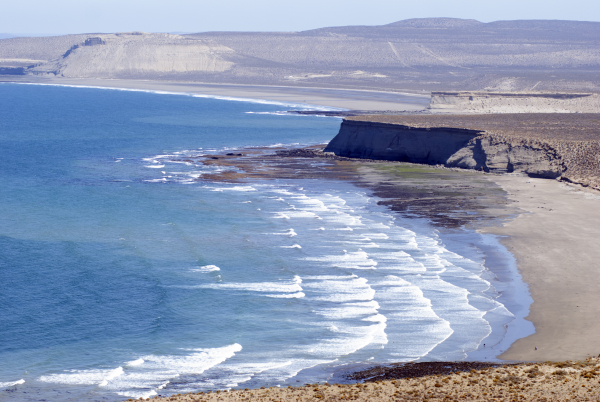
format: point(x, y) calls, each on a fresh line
point(556, 243)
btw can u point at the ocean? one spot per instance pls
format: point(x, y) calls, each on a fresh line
point(123, 273)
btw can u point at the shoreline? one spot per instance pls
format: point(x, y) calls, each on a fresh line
point(394, 185)
point(532, 220)
point(349, 99)
point(554, 243)
point(525, 253)
point(550, 228)
point(535, 238)
point(501, 380)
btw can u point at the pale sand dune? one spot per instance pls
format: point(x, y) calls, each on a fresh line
point(556, 244)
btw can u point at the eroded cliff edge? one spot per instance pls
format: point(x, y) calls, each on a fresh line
point(556, 146)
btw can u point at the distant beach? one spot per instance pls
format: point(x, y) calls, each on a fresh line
point(329, 97)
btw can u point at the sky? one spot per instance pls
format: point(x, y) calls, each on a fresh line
point(87, 16)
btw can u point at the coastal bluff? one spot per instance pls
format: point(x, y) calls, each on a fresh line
point(555, 146)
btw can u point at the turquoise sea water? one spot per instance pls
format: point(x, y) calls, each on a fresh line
point(124, 274)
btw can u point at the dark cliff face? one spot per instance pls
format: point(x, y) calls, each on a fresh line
point(358, 139)
point(469, 149)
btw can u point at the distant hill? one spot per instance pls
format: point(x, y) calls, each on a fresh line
point(416, 54)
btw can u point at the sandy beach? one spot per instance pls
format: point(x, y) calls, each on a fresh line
point(555, 242)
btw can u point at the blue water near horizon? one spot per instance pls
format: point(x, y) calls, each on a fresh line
point(124, 274)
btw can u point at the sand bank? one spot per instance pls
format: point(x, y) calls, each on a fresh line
point(336, 98)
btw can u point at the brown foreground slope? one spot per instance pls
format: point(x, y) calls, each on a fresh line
point(566, 381)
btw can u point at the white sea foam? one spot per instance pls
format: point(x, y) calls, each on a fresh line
point(289, 233)
point(349, 310)
point(294, 246)
point(370, 236)
point(356, 260)
point(80, 377)
point(11, 383)
point(291, 213)
point(281, 191)
point(351, 340)
point(290, 286)
point(297, 295)
point(326, 277)
point(144, 379)
point(311, 204)
point(206, 269)
point(111, 376)
point(341, 291)
point(136, 362)
point(235, 188)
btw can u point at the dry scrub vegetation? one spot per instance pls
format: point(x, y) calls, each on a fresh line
point(564, 381)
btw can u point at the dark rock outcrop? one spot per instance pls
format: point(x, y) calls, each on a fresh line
point(94, 41)
point(371, 140)
point(573, 156)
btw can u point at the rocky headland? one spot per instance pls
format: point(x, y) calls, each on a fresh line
point(556, 146)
